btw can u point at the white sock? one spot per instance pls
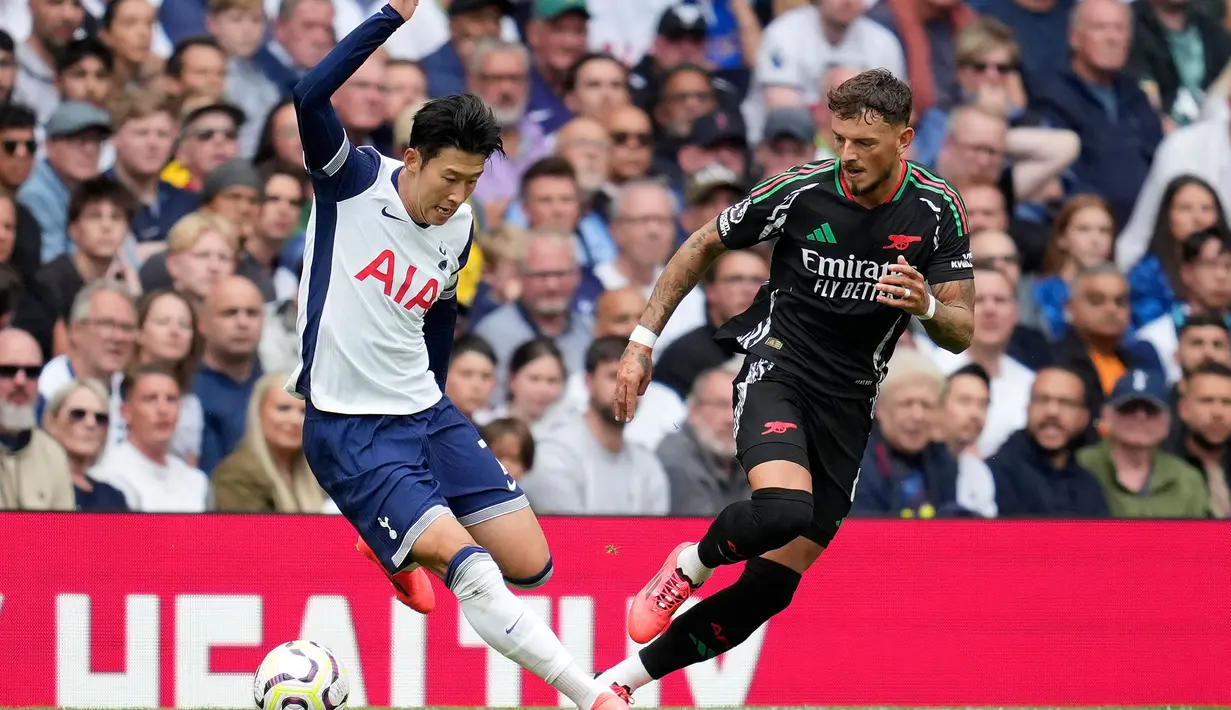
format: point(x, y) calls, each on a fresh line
point(690, 564)
point(504, 623)
point(629, 673)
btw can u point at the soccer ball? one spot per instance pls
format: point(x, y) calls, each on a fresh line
point(301, 675)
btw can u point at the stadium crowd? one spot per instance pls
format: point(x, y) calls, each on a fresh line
point(153, 204)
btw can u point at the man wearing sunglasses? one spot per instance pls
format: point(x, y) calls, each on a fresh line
point(209, 138)
point(33, 467)
point(17, 150)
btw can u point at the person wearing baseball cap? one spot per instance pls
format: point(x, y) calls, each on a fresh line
point(470, 21)
point(679, 40)
point(787, 140)
point(557, 37)
point(74, 135)
point(716, 138)
point(1138, 478)
point(709, 192)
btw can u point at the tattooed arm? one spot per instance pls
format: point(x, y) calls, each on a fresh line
point(953, 326)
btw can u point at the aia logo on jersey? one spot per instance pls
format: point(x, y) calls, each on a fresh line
point(384, 267)
point(901, 241)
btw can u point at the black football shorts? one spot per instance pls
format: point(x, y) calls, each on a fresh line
point(779, 418)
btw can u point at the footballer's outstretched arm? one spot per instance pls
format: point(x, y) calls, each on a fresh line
point(953, 325)
point(320, 130)
point(681, 274)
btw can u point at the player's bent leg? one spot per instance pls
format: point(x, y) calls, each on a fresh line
point(500, 618)
point(516, 541)
point(411, 585)
point(779, 510)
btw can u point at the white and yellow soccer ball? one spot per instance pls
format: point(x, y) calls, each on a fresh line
point(301, 675)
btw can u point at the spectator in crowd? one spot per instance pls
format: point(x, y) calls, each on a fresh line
point(1205, 428)
point(584, 465)
point(239, 27)
point(551, 198)
point(1177, 52)
point(280, 144)
point(800, 44)
point(472, 23)
point(143, 141)
point(8, 67)
point(1205, 272)
point(996, 250)
point(152, 479)
point(730, 286)
point(549, 275)
point(1041, 27)
point(98, 218)
point(556, 35)
point(101, 329)
point(167, 334)
point(78, 416)
point(84, 72)
point(964, 408)
point(699, 459)
point(687, 94)
point(360, 103)
point(1035, 471)
point(716, 138)
point(512, 444)
point(282, 201)
point(1096, 347)
point(709, 193)
point(10, 291)
point(34, 471)
point(75, 133)
point(1098, 101)
point(1203, 338)
point(52, 26)
point(197, 67)
point(904, 473)
point(500, 75)
point(1201, 150)
point(503, 249)
point(1139, 479)
point(661, 410)
point(680, 39)
point(208, 138)
point(17, 150)
point(267, 472)
point(1081, 237)
point(200, 253)
point(974, 146)
point(127, 30)
point(595, 85)
point(585, 144)
point(472, 373)
point(632, 152)
point(1189, 206)
point(643, 222)
point(537, 375)
point(231, 323)
point(789, 139)
point(995, 317)
point(303, 33)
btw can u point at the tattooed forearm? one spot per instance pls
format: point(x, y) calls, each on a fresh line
point(681, 274)
point(953, 326)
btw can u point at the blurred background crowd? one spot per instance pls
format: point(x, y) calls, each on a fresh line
point(153, 201)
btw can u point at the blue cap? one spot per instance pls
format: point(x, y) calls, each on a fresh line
point(1140, 386)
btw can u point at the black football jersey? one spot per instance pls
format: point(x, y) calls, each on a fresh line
point(817, 316)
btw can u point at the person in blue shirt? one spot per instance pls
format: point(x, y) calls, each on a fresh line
point(469, 22)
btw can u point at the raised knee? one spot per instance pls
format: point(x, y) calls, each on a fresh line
point(782, 513)
point(775, 583)
point(534, 581)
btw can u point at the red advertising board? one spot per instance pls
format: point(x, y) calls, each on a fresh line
point(177, 611)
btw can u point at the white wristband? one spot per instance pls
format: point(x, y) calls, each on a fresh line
point(643, 336)
point(931, 308)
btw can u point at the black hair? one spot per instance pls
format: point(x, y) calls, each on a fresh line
point(100, 189)
point(77, 50)
point(1163, 242)
point(13, 115)
point(10, 288)
point(972, 369)
point(1201, 320)
point(109, 13)
point(607, 349)
point(6, 42)
point(686, 68)
point(1068, 371)
point(460, 121)
point(570, 77)
point(1190, 248)
point(509, 426)
point(551, 166)
point(134, 376)
point(532, 350)
point(872, 94)
point(471, 343)
point(1209, 367)
point(175, 63)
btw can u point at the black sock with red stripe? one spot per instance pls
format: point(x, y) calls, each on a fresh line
point(723, 620)
point(750, 528)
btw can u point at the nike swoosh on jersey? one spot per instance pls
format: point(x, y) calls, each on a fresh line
point(385, 212)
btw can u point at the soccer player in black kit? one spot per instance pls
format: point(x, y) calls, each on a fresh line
point(859, 240)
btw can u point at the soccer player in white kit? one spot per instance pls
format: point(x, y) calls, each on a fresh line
point(377, 308)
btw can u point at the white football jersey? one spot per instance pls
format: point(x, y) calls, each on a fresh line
point(369, 276)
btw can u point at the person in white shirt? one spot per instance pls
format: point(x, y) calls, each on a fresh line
point(801, 44)
point(995, 317)
point(586, 465)
point(151, 478)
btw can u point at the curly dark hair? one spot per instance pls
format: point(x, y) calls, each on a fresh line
point(870, 95)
